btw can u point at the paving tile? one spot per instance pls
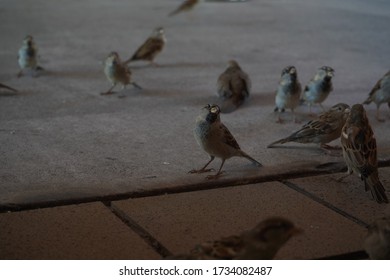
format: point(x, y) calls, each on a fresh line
point(180, 221)
point(348, 195)
point(88, 231)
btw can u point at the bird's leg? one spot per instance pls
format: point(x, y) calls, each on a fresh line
point(209, 177)
point(349, 172)
point(203, 169)
point(279, 120)
point(122, 95)
point(322, 107)
point(109, 91)
point(377, 115)
point(294, 116)
point(136, 85)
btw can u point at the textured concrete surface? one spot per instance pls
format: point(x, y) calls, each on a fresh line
point(61, 142)
point(208, 215)
point(87, 231)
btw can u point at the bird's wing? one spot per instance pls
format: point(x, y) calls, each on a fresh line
point(148, 48)
point(228, 138)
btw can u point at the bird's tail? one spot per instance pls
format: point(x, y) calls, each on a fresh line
point(368, 100)
point(245, 155)
point(130, 59)
point(174, 12)
point(7, 87)
point(373, 184)
point(280, 141)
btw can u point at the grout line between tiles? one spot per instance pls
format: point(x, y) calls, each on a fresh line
point(325, 203)
point(144, 234)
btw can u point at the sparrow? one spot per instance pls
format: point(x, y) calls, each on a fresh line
point(322, 130)
point(27, 56)
point(288, 92)
point(319, 87)
point(233, 87)
point(377, 241)
point(186, 6)
point(7, 87)
point(150, 48)
point(215, 139)
point(360, 152)
point(380, 94)
point(260, 243)
point(116, 72)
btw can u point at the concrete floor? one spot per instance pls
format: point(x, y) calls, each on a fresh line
point(63, 144)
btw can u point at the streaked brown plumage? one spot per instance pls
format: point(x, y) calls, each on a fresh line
point(116, 72)
point(233, 87)
point(380, 94)
point(322, 130)
point(186, 6)
point(216, 140)
point(360, 152)
point(260, 243)
point(150, 48)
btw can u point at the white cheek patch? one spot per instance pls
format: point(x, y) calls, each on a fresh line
point(345, 135)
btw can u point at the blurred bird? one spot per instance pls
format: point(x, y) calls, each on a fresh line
point(288, 92)
point(186, 6)
point(377, 241)
point(7, 87)
point(360, 152)
point(319, 87)
point(150, 48)
point(27, 56)
point(380, 94)
point(214, 137)
point(260, 243)
point(116, 72)
point(233, 87)
point(322, 130)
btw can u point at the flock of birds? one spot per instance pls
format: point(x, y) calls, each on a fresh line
point(350, 124)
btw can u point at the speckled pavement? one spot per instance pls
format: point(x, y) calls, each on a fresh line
point(74, 163)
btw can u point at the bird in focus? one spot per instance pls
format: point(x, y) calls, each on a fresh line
point(377, 241)
point(233, 87)
point(319, 87)
point(322, 130)
point(28, 57)
point(7, 87)
point(288, 92)
point(215, 139)
point(380, 94)
point(116, 72)
point(360, 152)
point(259, 243)
point(150, 48)
point(186, 6)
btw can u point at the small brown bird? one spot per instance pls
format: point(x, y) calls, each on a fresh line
point(377, 241)
point(380, 94)
point(360, 152)
point(260, 243)
point(288, 92)
point(7, 87)
point(28, 57)
point(186, 6)
point(150, 48)
point(233, 87)
point(215, 139)
point(116, 72)
point(322, 130)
